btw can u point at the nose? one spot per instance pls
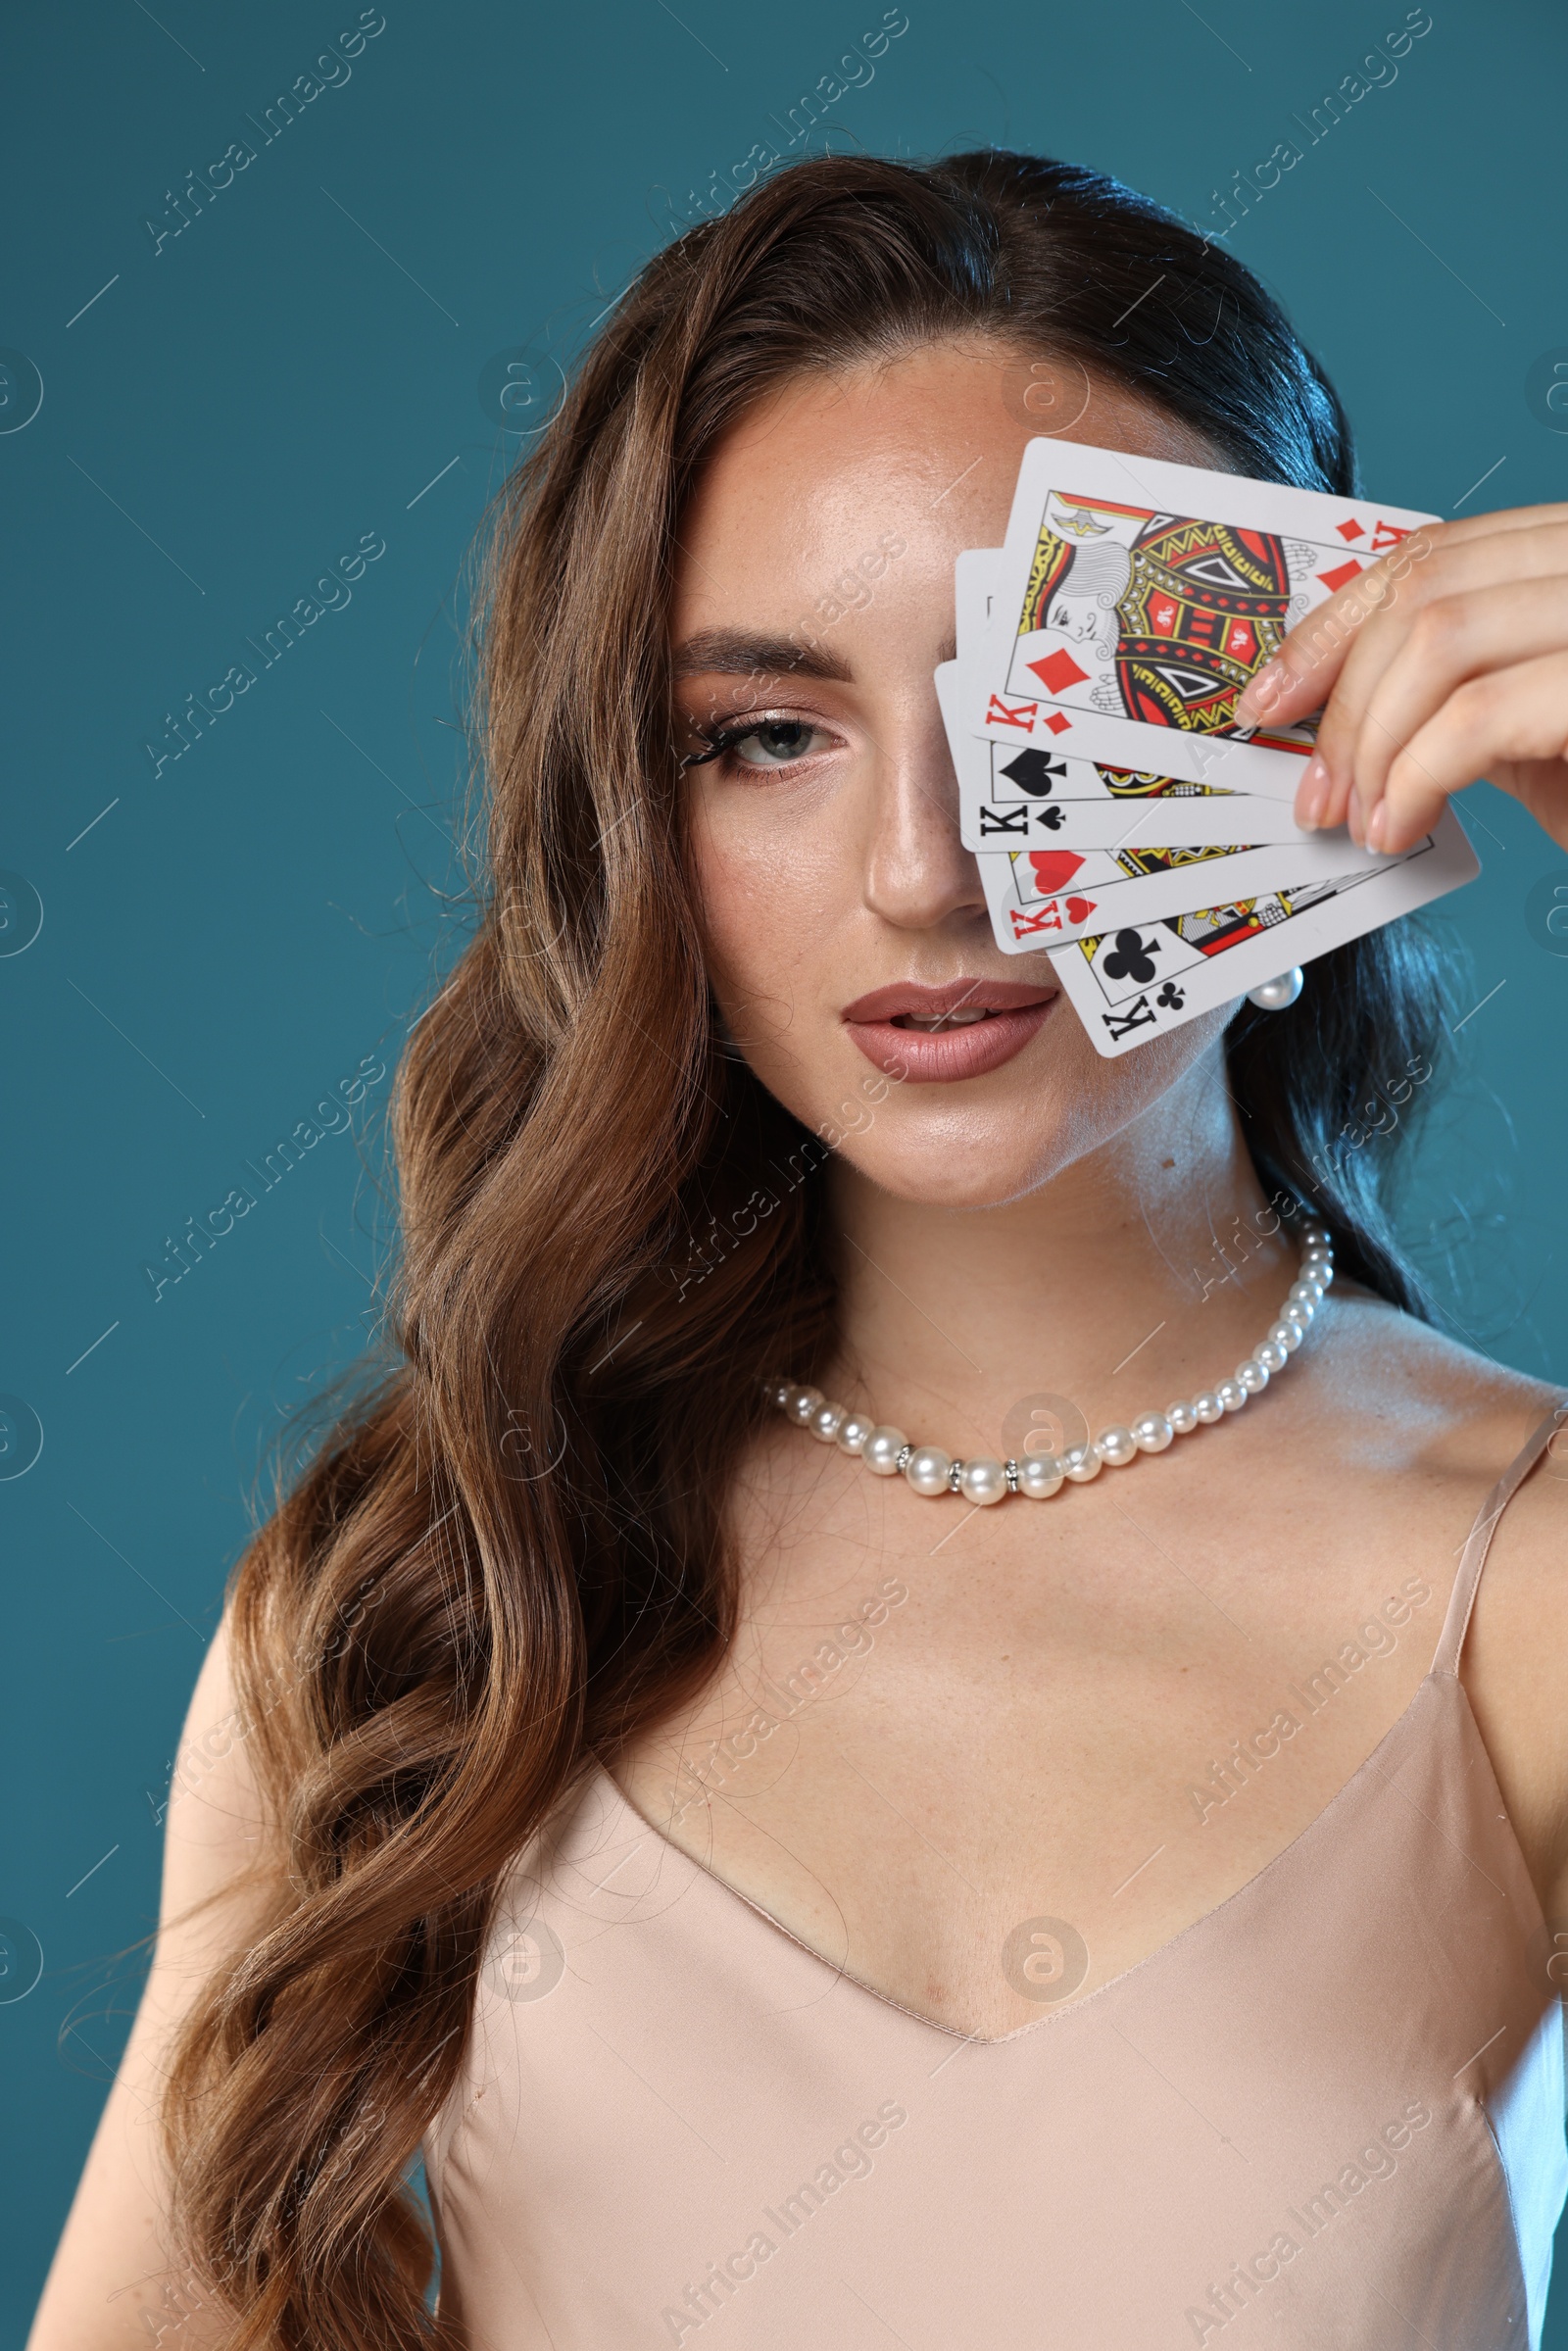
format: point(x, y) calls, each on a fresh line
point(919, 874)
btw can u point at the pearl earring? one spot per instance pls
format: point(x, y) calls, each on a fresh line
point(1274, 995)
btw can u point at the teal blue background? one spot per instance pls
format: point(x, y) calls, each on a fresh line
point(229, 941)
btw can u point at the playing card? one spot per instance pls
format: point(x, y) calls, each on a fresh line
point(1134, 982)
point(1014, 794)
point(1020, 791)
point(1044, 897)
point(1136, 598)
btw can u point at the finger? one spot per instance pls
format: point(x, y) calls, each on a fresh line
point(1450, 640)
point(1507, 715)
point(1303, 671)
point(1486, 559)
point(1484, 549)
point(1504, 519)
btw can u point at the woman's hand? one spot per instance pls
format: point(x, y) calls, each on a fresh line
point(1445, 661)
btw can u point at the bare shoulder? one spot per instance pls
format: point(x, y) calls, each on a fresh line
point(1451, 1420)
point(117, 2277)
point(1423, 1401)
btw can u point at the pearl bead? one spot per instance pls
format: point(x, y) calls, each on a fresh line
point(1275, 995)
point(881, 1449)
point(926, 1469)
point(983, 1483)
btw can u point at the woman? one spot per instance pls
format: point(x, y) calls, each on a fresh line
point(1091, 1915)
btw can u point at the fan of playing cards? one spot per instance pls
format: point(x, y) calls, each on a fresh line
point(1121, 820)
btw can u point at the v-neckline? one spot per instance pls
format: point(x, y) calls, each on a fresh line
point(1112, 1984)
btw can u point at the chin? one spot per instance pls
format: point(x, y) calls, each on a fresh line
point(986, 1164)
point(995, 1138)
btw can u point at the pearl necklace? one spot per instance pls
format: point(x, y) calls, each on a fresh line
point(886, 1450)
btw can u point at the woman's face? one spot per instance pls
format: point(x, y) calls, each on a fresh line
point(844, 926)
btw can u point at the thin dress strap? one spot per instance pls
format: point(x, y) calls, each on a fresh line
point(1468, 1578)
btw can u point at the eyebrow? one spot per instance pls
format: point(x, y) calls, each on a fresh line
point(739, 653)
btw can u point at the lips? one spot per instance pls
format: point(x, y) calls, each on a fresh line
point(934, 1035)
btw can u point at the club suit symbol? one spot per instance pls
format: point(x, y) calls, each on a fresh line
point(1131, 957)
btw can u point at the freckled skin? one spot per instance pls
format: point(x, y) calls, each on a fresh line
point(1027, 1726)
point(821, 885)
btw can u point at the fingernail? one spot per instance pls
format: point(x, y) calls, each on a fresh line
point(1312, 793)
point(1377, 826)
point(1262, 691)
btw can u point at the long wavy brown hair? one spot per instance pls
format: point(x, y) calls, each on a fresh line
point(512, 1554)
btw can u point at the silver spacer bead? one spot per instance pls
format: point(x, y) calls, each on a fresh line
point(886, 1451)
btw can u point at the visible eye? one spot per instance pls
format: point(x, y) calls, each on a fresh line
point(764, 745)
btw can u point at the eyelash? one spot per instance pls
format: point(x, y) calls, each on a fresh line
point(724, 739)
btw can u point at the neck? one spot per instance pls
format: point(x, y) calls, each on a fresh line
point(1144, 1271)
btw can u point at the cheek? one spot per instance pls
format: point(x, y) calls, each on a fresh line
point(773, 898)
